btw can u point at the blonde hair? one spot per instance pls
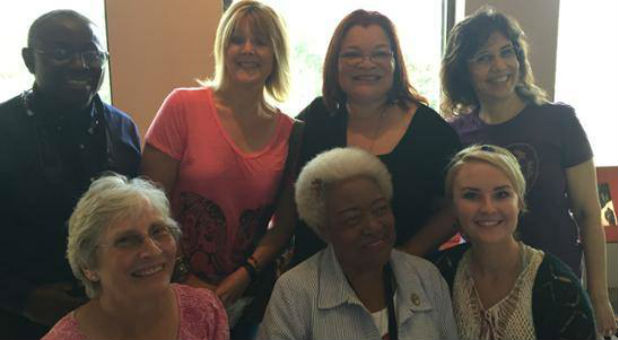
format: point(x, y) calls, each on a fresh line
point(331, 167)
point(262, 19)
point(496, 156)
point(109, 199)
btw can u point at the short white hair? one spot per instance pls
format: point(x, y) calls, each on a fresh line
point(109, 199)
point(331, 167)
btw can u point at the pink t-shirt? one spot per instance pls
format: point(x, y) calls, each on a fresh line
point(221, 193)
point(201, 316)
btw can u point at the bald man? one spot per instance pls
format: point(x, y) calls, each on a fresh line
point(54, 138)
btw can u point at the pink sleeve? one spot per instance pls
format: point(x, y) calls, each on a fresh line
point(67, 328)
point(168, 130)
point(202, 314)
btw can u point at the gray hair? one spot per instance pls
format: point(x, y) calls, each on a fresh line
point(109, 199)
point(331, 167)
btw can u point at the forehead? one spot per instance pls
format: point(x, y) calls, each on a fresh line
point(480, 174)
point(138, 219)
point(250, 24)
point(365, 36)
point(495, 41)
point(66, 32)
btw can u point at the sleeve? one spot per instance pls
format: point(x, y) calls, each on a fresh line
point(560, 306)
point(442, 300)
point(286, 314)
point(65, 329)
point(168, 131)
point(220, 329)
point(445, 145)
point(576, 147)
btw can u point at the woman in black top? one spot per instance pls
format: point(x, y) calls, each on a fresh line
point(369, 103)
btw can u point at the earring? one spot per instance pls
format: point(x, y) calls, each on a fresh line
point(91, 275)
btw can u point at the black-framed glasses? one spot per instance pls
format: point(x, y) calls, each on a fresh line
point(354, 57)
point(90, 58)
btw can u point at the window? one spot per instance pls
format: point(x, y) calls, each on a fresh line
point(311, 25)
point(14, 25)
point(587, 72)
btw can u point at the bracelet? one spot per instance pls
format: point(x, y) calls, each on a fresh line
point(251, 270)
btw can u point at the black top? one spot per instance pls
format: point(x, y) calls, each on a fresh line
point(417, 165)
point(47, 161)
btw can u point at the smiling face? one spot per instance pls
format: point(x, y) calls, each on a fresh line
point(366, 64)
point(360, 223)
point(494, 69)
point(249, 56)
point(135, 256)
point(71, 84)
point(486, 204)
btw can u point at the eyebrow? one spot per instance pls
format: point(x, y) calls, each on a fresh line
point(385, 45)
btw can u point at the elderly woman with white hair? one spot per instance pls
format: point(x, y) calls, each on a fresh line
point(122, 247)
point(359, 287)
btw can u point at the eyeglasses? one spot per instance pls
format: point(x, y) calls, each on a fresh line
point(354, 57)
point(90, 58)
point(159, 234)
point(485, 58)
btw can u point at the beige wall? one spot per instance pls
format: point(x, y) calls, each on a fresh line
point(539, 20)
point(155, 46)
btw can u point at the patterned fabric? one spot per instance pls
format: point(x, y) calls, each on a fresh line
point(201, 316)
point(510, 318)
point(315, 301)
point(222, 194)
point(561, 308)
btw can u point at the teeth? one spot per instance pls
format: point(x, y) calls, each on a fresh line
point(148, 271)
point(366, 77)
point(248, 64)
point(500, 79)
point(488, 223)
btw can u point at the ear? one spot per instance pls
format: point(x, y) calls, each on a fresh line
point(27, 55)
point(91, 275)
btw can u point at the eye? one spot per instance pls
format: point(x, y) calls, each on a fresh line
point(261, 41)
point(502, 194)
point(159, 232)
point(60, 54)
point(380, 210)
point(237, 40)
point(128, 241)
point(508, 52)
point(381, 55)
point(482, 59)
point(469, 195)
point(350, 55)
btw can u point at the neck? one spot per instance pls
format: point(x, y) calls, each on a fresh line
point(42, 101)
point(496, 259)
point(368, 284)
point(131, 316)
point(500, 111)
point(357, 110)
point(242, 99)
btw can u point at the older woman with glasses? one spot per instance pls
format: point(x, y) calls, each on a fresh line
point(501, 287)
point(368, 102)
point(358, 287)
point(490, 94)
point(122, 247)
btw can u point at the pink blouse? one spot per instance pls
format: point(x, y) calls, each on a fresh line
point(201, 316)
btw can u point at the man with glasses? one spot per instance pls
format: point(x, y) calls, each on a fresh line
point(54, 138)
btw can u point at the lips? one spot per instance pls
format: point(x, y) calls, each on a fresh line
point(489, 222)
point(148, 271)
point(367, 77)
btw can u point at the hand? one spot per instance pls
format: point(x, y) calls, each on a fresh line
point(48, 303)
point(233, 286)
point(194, 281)
point(604, 314)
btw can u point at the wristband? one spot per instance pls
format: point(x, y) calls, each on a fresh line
point(251, 270)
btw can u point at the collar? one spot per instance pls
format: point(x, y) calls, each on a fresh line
point(334, 289)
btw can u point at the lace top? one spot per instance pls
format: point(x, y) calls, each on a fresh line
point(511, 317)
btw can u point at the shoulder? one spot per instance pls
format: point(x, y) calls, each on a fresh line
point(67, 329)
point(117, 115)
point(424, 270)
point(195, 297)
point(448, 260)
point(10, 111)
point(550, 112)
point(432, 123)
point(202, 314)
point(315, 111)
point(303, 276)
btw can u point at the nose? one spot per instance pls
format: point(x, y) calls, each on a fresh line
point(149, 248)
point(498, 63)
point(248, 46)
point(487, 205)
point(373, 225)
point(78, 61)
